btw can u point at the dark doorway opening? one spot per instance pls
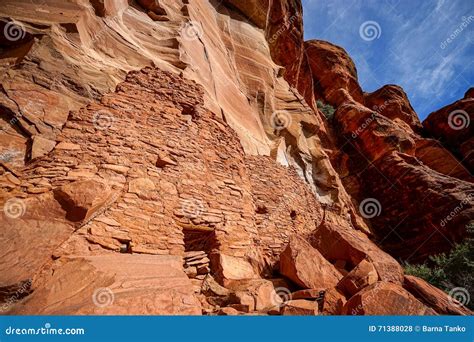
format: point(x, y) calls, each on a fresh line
point(199, 239)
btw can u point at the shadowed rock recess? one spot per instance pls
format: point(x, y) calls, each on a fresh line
point(169, 157)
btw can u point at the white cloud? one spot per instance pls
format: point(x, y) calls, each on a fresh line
point(408, 52)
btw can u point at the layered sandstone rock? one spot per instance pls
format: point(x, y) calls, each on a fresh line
point(392, 102)
point(434, 297)
point(305, 266)
point(113, 197)
point(364, 274)
point(453, 126)
point(339, 243)
point(384, 298)
point(391, 167)
point(392, 176)
point(379, 134)
point(157, 156)
point(333, 303)
point(333, 70)
point(113, 284)
point(32, 229)
point(300, 307)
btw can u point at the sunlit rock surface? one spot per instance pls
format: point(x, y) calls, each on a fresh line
point(157, 156)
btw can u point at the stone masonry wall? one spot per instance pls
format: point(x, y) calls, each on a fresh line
point(171, 164)
point(148, 170)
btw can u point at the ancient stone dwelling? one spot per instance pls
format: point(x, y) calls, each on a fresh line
point(169, 157)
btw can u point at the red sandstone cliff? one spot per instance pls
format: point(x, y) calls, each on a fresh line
point(452, 126)
point(168, 157)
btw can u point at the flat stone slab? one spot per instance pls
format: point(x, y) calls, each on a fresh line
point(118, 284)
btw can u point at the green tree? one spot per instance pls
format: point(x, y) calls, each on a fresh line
point(326, 109)
point(455, 269)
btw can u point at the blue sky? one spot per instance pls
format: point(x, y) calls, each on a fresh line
point(407, 44)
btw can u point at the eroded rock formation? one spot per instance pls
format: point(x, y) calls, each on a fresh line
point(168, 157)
point(389, 165)
point(452, 125)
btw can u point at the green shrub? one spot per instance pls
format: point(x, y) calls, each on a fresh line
point(326, 109)
point(447, 271)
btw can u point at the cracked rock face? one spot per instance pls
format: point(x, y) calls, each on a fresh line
point(391, 166)
point(452, 125)
point(168, 157)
